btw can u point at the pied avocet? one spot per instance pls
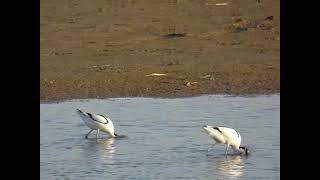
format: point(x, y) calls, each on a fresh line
point(228, 136)
point(97, 122)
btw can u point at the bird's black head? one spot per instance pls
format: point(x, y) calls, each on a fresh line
point(244, 150)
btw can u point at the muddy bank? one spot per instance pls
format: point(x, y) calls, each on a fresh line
point(112, 48)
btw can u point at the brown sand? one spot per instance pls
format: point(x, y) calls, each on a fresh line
point(99, 48)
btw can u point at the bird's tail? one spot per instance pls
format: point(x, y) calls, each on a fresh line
point(80, 112)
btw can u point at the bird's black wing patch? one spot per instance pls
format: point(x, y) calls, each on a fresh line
point(104, 117)
point(217, 129)
point(90, 115)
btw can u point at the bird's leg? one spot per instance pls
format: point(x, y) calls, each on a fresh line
point(97, 133)
point(211, 147)
point(89, 133)
point(227, 149)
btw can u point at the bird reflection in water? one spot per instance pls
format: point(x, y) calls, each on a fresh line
point(102, 149)
point(230, 166)
point(106, 147)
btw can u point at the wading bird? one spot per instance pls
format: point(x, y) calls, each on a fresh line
point(228, 136)
point(97, 122)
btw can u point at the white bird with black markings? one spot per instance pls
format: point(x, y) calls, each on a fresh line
point(228, 136)
point(97, 122)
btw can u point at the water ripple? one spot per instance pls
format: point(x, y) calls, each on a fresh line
point(163, 140)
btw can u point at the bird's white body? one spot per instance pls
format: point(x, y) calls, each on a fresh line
point(228, 136)
point(97, 122)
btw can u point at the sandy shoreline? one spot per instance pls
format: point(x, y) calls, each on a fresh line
point(224, 82)
point(153, 97)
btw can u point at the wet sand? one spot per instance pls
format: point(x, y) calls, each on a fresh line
point(98, 48)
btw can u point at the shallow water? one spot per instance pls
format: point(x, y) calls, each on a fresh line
point(164, 139)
